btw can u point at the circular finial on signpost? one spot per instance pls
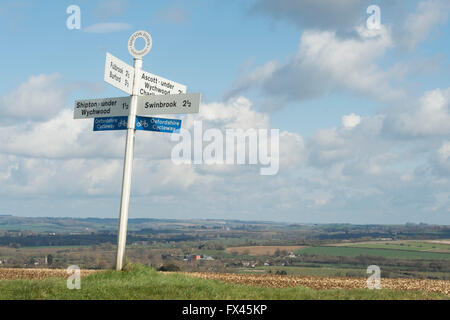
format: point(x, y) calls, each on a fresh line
point(138, 54)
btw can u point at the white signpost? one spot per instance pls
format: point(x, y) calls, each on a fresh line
point(168, 104)
point(149, 95)
point(100, 108)
point(119, 74)
point(152, 84)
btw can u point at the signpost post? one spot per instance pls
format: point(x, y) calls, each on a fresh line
point(127, 171)
point(127, 112)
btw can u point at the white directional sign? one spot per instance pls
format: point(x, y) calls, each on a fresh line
point(100, 108)
point(151, 84)
point(168, 104)
point(149, 95)
point(119, 74)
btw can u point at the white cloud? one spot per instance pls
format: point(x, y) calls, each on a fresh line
point(350, 121)
point(292, 151)
point(236, 113)
point(40, 98)
point(257, 76)
point(326, 62)
point(324, 14)
point(430, 116)
point(107, 27)
point(335, 175)
point(444, 152)
point(419, 24)
point(344, 15)
point(58, 137)
point(111, 8)
point(443, 157)
point(68, 149)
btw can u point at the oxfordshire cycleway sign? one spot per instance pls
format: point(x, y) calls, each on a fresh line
point(149, 94)
point(142, 123)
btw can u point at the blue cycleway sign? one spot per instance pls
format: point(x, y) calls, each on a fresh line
point(142, 123)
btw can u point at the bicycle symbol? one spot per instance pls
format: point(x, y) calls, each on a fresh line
point(122, 123)
point(142, 123)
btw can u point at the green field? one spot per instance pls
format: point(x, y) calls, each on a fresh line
point(56, 247)
point(375, 252)
point(42, 227)
point(404, 245)
point(145, 283)
point(308, 271)
point(340, 271)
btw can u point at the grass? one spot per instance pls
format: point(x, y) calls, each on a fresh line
point(55, 247)
point(309, 271)
point(27, 226)
point(407, 245)
point(145, 283)
point(342, 271)
point(376, 252)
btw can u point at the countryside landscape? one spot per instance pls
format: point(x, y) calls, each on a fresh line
point(323, 260)
point(225, 158)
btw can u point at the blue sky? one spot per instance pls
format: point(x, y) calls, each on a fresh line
point(364, 116)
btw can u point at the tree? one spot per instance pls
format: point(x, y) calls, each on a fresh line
point(170, 267)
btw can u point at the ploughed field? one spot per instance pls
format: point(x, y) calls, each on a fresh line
point(37, 274)
point(324, 283)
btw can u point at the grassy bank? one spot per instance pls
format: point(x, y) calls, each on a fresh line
point(375, 252)
point(146, 283)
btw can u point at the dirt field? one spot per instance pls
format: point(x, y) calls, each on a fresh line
point(438, 241)
point(274, 281)
point(31, 274)
point(262, 250)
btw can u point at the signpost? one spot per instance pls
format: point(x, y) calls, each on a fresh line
point(119, 74)
point(112, 123)
point(149, 95)
point(169, 104)
point(142, 123)
point(97, 108)
point(158, 124)
point(153, 84)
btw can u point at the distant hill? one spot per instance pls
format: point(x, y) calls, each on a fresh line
point(87, 225)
